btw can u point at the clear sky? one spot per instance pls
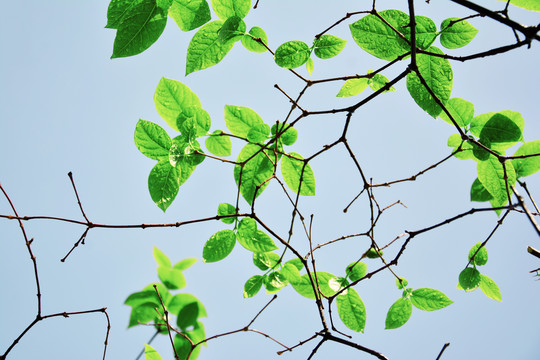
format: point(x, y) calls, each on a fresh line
point(66, 106)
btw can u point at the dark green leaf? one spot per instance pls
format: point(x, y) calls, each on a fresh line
point(219, 246)
point(479, 192)
point(455, 33)
point(429, 299)
point(481, 257)
point(172, 278)
point(298, 175)
point(249, 42)
point(183, 347)
point(469, 279)
point(218, 144)
point(253, 285)
point(292, 54)
point(328, 46)
point(224, 9)
point(530, 165)
point(240, 120)
point(253, 175)
point(185, 264)
point(490, 288)
point(461, 110)
point(351, 310)
point(265, 261)
point(161, 258)
point(353, 87)
point(152, 140)
point(226, 209)
point(356, 270)
point(232, 30)
point(171, 98)
point(190, 14)
point(399, 313)
point(163, 183)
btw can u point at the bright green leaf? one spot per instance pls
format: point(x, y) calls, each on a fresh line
point(161, 258)
point(530, 165)
point(455, 33)
point(351, 310)
point(253, 285)
point(455, 141)
point(353, 87)
point(429, 299)
point(426, 32)
point(218, 144)
point(328, 46)
point(481, 257)
point(297, 173)
point(185, 152)
point(163, 183)
point(173, 279)
point(501, 132)
point(296, 262)
point(171, 98)
point(302, 284)
point(292, 54)
point(289, 136)
point(190, 14)
point(219, 246)
point(310, 66)
point(399, 313)
point(478, 123)
point(469, 279)
point(490, 288)
point(179, 301)
point(249, 42)
point(401, 283)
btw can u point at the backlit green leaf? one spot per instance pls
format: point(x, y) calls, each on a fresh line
point(193, 122)
point(401, 283)
point(490, 288)
point(173, 279)
point(150, 353)
point(328, 46)
point(161, 258)
point(469, 279)
point(429, 299)
point(253, 285)
point(353, 87)
point(399, 313)
point(240, 120)
point(455, 33)
point(171, 98)
point(152, 140)
point(249, 42)
point(481, 258)
point(296, 173)
point(163, 183)
point(252, 177)
point(190, 14)
point(302, 284)
point(219, 145)
point(226, 209)
point(461, 110)
point(225, 9)
point(530, 165)
point(426, 32)
point(351, 310)
point(292, 54)
point(219, 246)
point(356, 270)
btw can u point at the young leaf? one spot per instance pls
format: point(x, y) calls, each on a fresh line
point(479, 192)
point(461, 110)
point(399, 313)
point(171, 98)
point(274, 282)
point(140, 27)
point(298, 175)
point(173, 279)
point(481, 257)
point(492, 175)
point(225, 9)
point(163, 183)
point(356, 270)
point(351, 310)
point(190, 14)
point(253, 175)
point(205, 49)
point(530, 165)
point(226, 209)
point(150, 353)
point(152, 140)
point(219, 246)
point(233, 29)
point(240, 120)
point(249, 42)
point(161, 258)
point(253, 285)
point(437, 73)
point(456, 33)
point(265, 261)
point(218, 144)
point(490, 288)
point(429, 299)
point(328, 46)
point(292, 54)
point(469, 279)
point(185, 264)
point(353, 87)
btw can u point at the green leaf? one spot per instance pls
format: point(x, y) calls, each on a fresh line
point(351, 310)
point(492, 175)
point(240, 120)
point(205, 49)
point(218, 144)
point(161, 258)
point(117, 11)
point(469, 279)
point(219, 246)
point(274, 282)
point(179, 301)
point(461, 110)
point(481, 257)
point(501, 132)
point(171, 98)
point(173, 279)
point(356, 270)
point(530, 165)
point(378, 81)
point(233, 29)
point(328, 46)
point(479, 192)
point(163, 183)
point(249, 42)
point(467, 148)
point(224, 9)
point(152, 140)
point(353, 87)
point(533, 5)
point(265, 261)
point(140, 27)
point(289, 136)
point(399, 313)
point(258, 242)
point(377, 38)
point(150, 353)
point(296, 174)
point(438, 75)
point(401, 283)
point(185, 152)
point(185, 264)
point(456, 33)
point(258, 133)
point(253, 175)
point(310, 66)
point(429, 299)
point(292, 54)
point(253, 285)
point(190, 14)
point(490, 288)
point(226, 209)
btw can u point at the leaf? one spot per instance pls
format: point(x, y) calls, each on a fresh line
point(492, 175)
point(274, 282)
point(351, 310)
point(292, 54)
point(150, 353)
point(185, 264)
point(461, 110)
point(265, 261)
point(117, 11)
point(530, 165)
point(469, 279)
point(490, 288)
point(353, 87)
point(163, 183)
point(479, 192)
point(253, 175)
point(328, 46)
point(173, 279)
point(226, 209)
point(399, 313)
point(253, 285)
point(218, 144)
point(240, 120)
point(249, 42)
point(233, 29)
point(161, 258)
point(356, 270)
point(258, 133)
point(205, 49)
point(437, 73)
point(501, 132)
point(481, 257)
point(140, 27)
point(533, 5)
point(219, 246)
point(224, 9)
point(298, 175)
point(429, 299)
point(190, 14)
point(152, 140)
point(377, 38)
point(171, 98)
point(310, 66)
point(378, 81)
point(456, 33)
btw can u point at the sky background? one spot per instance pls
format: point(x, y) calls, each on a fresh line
point(65, 106)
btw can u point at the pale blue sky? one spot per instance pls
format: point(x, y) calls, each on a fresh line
point(65, 106)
